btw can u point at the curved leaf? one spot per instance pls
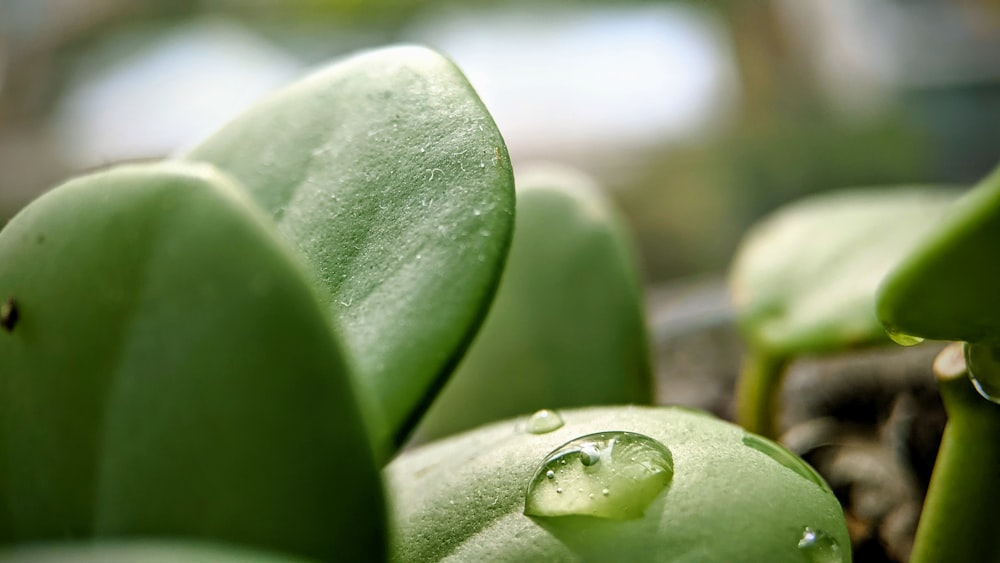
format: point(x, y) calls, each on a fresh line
point(732, 497)
point(804, 279)
point(566, 328)
point(388, 173)
point(171, 373)
point(946, 288)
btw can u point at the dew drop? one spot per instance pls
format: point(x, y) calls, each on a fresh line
point(983, 363)
point(589, 454)
point(902, 338)
point(819, 547)
point(785, 458)
point(9, 314)
point(544, 421)
point(550, 474)
point(637, 467)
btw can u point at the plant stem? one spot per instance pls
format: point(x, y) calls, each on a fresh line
point(958, 521)
point(757, 392)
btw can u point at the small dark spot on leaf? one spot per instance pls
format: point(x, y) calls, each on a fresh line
point(40, 238)
point(9, 315)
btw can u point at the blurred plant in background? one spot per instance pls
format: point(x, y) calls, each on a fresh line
point(701, 117)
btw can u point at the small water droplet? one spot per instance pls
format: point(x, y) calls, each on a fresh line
point(594, 464)
point(9, 314)
point(785, 458)
point(902, 338)
point(477, 212)
point(983, 363)
point(589, 454)
point(550, 474)
point(819, 547)
point(544, 421)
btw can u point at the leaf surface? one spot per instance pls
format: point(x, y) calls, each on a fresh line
point(732, 496)
point(171, 373)
point(386, 171)
point(946, 288)
point(804, 279)
point(566, 328)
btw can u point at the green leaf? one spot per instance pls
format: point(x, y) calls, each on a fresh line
point(946, 288)
point(389, 175)
point(733, 496)
point(171, 373)
point(804, 279)
point(140, 551)
point(566, 328)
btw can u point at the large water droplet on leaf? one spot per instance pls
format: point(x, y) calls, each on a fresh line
point(607, 475)
point(902, 338)
point(544, 421)
point(819, 547)
point(784, 457)
point(983, 362)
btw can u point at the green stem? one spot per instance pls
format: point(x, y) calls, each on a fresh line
point(958, 521)
point(757, 392)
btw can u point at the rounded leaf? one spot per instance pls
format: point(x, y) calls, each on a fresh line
point(386, 171)
point(804, 279)
point(171, 372)
point(566, 328)
point(945, 288)
point(732, 496)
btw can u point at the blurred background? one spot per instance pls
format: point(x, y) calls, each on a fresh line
point(698, 117)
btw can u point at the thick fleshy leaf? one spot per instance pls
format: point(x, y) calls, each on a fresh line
point(171, 372)
point(804, 280)
point(141, 551)
point(732, 496)
point(946, 288)
point(566, 328)
point(389, 175)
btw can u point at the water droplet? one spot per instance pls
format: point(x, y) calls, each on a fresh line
point(589, 454)
point(983, 361)
point(784, 457)
point(902, 338)
point(596, 463)
point(544, 421)
point(819, 547)
point(477, 212)
point(550, 474)
point(9, 314)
